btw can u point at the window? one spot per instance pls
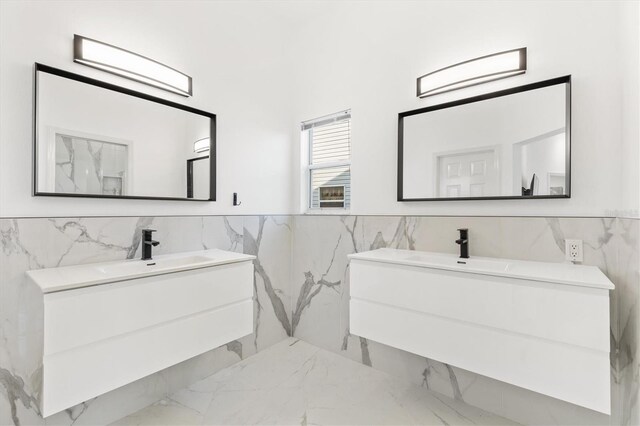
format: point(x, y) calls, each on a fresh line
point(329, 160)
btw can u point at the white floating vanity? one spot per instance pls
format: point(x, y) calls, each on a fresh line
point(540, 326)
point(109, 324)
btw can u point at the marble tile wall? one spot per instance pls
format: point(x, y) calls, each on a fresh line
point(320, 296)
point(41, 243)
point(302, 289)
point(104, 163)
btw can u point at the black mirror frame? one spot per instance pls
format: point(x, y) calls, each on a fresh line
point(527, 87)
point(87, 80)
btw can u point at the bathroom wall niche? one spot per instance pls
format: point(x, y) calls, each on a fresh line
point(95, 139)
point(510, 144)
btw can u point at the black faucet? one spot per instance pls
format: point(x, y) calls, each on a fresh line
point(464, 243)
point(148, 244)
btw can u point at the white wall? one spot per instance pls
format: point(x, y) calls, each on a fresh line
point(629, 31)
point(234, 52)
point(265, 66)
point(543, 158)
point(367, 55)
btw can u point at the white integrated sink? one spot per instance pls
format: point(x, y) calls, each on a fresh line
point(562, 273)
point(540, 326)
point(158, 264)
point(109, 324)
point(70, 277)
point(448, 261)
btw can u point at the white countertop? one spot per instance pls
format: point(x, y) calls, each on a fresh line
point(560, 273)
point(77, 276)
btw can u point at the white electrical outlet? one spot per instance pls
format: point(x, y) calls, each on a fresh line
point(573, 250)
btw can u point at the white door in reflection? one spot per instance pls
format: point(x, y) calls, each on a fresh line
point(468, 174)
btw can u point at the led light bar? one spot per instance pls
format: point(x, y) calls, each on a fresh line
point(201, 145)
point(475, 71)
point(130, 65)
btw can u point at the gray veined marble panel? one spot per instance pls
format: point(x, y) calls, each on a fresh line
point(319, 268)
point(269, 238)
point(627, 298)
point(41, 243)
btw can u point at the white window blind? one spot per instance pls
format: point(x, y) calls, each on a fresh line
point(329, 161)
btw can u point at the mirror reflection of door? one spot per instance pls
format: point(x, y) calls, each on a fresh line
point(473, 173)
point(198, 178)
point(556, 183)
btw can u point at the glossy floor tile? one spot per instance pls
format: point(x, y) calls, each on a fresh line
point(294, 382)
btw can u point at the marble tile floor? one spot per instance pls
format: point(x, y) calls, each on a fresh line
point(294, 382)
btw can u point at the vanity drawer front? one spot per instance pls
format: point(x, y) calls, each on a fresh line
point(563, 313)
point(113, 309)
point(84, 372)
point(575, 374)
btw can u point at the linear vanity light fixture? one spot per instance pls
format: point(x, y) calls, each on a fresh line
point(130, 65)
point(201, 145)
point(475, 71)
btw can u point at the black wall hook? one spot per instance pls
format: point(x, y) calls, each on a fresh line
point(235, 199)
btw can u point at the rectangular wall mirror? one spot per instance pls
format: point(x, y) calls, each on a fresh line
point(515, 143)
point(95, 139)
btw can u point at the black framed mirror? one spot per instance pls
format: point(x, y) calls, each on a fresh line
point(95, 139)
point(510, 144)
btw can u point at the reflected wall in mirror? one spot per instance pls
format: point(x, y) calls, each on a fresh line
point(94, 139)
point(514, 143)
